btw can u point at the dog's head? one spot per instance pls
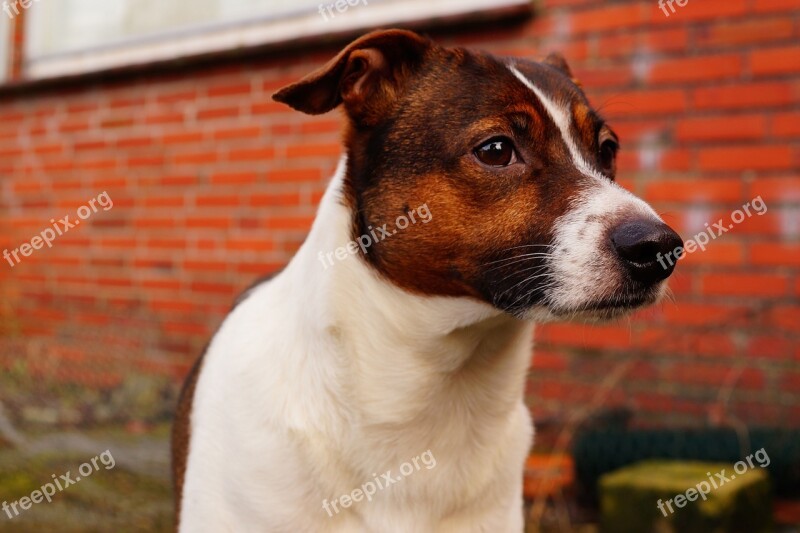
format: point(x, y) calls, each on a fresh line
point(516, 169)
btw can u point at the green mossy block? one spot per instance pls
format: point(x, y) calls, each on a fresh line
point(629, 499)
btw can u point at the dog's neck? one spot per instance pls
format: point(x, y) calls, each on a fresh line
point(405, 352)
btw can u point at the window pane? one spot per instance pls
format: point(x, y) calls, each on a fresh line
point(70, 37)
point(5, 45)
point(68, 25)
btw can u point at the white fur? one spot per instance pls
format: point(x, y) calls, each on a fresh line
point(321, 379)
point(563, 120)
point(586, 271)
point(583, 269)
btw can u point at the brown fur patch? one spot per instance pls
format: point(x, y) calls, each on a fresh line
point(416, 114)
point(423, 155)
point(181, 435)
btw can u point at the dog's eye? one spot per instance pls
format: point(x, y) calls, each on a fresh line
point(497, 152)
point(608, 153)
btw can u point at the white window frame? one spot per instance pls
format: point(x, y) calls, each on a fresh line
point(6, 38)
point(211, 39)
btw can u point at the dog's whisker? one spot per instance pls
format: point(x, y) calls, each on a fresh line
point(530, 246)
point(512, 260)
point(525, 281)
point(536, 268)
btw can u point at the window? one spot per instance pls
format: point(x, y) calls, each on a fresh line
point(5, 47)
point(76, 36)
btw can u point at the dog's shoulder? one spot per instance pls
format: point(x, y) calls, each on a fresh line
point(245, 294)
point(181, 429)
point(181, 432)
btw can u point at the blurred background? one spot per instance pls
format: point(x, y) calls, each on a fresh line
point(165, 107)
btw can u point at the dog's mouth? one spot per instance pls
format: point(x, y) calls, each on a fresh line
point(526, 296)
point(607, 308)
point(619, 303)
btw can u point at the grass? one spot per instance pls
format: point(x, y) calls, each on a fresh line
point(121, 499)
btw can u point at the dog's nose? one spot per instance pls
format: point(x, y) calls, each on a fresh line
point(649, 249)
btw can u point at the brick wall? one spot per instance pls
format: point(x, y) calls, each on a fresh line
point(214, 186)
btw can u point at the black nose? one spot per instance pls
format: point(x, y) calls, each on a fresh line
point(649, 249)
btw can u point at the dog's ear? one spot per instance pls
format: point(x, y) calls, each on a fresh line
point(558, 62)
point(366, 76)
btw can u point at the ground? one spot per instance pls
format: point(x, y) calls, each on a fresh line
point(135, 495)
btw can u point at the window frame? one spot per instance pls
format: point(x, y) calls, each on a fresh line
point(223, 37)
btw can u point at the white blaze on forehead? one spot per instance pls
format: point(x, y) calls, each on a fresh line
point(563, 120)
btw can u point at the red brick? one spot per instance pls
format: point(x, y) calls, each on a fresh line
point(695, 69)
point(265, 200)
point(294, 175)
point(56, 148)
point(167, 243)
point(549, 361)
point(311, 150)
point(695, 11)
point(253, 132)
point(759, 285)
point(716, 375)
point(732, 33)
point(208, 222)
point(716, 254)
point(267, 108)
point(783, 60)
point(775, 254)
point(252, 154)
point(693, 190)
point(218, 201)
point(183, 138)
point(164, 201)
point(258, 269)
point(134, 142)
point(723, 128)
point(643, 103)
point(604, 76)
point(237, 178)
point(142, 161)
point(786, 124)
point(747, 157)
point(178, 180)
point(235, 89)
point(161, 284)
point(768, 347)
point(770, 6)
point(743, 95)
point(126, 102)
point(667, 39)
point(786, 317)
point(182, 95)
point(250, 245)
point(217, 112)
point(603, 337)
point(219, 288)
point(88, 145)
point(186, 328)
point(321, 126)
point(609, 18)
point(291, 223)
point(707, 343)
point(689, 314)
point(205, 266)
point(790, 382)
point(781, 223)
point(195, 158)
point(163, 118)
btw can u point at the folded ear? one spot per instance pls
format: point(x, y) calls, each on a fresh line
point(366, 76)
point(558, 62)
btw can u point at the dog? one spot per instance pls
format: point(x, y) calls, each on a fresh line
point(326, 382)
